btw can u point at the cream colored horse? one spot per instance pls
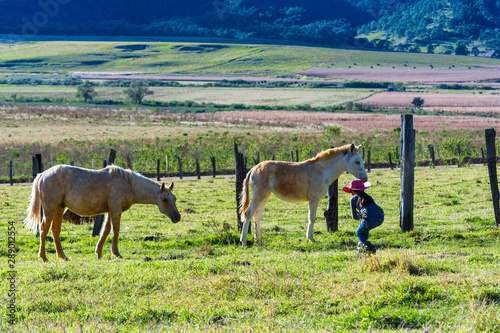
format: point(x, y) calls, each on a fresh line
point(87, 192)
point(296, 182)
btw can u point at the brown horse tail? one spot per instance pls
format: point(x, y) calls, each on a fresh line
point(34, 208)
point(244, 196)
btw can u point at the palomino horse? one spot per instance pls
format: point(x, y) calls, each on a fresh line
point(87, 192)
point(296, 182)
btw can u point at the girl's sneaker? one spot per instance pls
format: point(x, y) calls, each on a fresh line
point(361, 247)
point(370, 248)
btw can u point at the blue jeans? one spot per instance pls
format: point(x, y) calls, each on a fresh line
point(368, 224)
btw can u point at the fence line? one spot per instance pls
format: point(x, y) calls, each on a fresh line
point(431, 156)
point(407, 164)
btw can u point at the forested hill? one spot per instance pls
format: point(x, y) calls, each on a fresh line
point(389, 24)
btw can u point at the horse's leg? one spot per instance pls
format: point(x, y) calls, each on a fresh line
point(56, 231)
point(104, 234)
point(313, 206)
point(115, 222)
point(256, 201)
point(257, 217)
point(44, 230)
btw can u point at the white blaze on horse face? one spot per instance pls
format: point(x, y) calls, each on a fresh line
point(356, 167)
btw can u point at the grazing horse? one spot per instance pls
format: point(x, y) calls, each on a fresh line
point(296, 182)
point(87, 192)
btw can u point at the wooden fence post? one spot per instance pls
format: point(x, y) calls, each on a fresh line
point(291, 155)
point(482, 154)
point(129, 163)
point(112, 156)
point(99, 219)
point(368, 157)
point(459, 150)
point(38, 168)
point(11, 173)
point(297, 155)
point(332, 211)
point(390, 161)
point(198, 174)
point(256, 160)
point(158, 178)
point(492, 170)
point(407, 173)
point(240, 177)
point(166, 163)
point(37, 165)
point(212, 159)
point(431, 153)
point(180, 167)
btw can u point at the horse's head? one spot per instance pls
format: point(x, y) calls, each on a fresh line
point(355, 164)
point(166, 203)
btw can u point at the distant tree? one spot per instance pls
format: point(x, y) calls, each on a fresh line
point(461, 49)
point(430, 48)
point(496, 54)
point(418, 102)
point(137, 91)
point(86, 92)
point(415, 49)
point(447, 49)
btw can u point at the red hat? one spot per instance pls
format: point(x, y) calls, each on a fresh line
point(357, 185)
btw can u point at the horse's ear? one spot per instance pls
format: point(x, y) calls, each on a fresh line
point(353, 148)
point(162, 187)
point(171, 187)
point(358, 147)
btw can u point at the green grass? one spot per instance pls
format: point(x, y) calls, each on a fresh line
point(443, 276)
point(248, 96)
point(205, 59)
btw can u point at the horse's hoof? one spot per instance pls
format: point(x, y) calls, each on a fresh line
point(44, 259)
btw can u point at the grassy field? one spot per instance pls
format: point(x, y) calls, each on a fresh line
point(443, 276)
point(247, 96)
point(80, 135)
point(205, 59)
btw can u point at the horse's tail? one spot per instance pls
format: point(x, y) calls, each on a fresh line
point(34, 208)
point(245, 196)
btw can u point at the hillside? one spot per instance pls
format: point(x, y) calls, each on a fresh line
point(408, 25)
point(430, 22)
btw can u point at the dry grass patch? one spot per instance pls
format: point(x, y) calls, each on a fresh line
point(406, 74)
point(455, 103)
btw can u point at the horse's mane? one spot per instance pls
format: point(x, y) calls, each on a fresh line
point(130, 176)
point(330, 153)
